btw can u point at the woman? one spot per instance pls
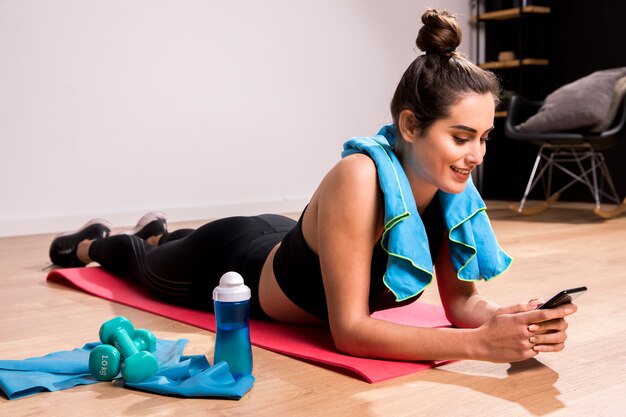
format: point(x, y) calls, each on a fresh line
point(350, 254)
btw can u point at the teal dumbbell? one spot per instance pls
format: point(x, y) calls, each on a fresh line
point(134, 347)
point(104, 362)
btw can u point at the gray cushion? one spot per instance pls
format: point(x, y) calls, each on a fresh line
point(582, 104)
point(618, 96)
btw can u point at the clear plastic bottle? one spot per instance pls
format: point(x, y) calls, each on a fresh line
point(231, 300)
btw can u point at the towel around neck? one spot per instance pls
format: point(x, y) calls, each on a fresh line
point(474, 250)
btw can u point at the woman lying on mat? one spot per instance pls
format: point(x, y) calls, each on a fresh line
point(396, 205)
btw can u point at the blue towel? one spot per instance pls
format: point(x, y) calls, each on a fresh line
point(474, 250)
point(184, 376)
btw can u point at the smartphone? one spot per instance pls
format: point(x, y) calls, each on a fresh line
point(563, 297)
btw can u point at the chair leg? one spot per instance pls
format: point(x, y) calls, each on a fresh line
point(538, 208)
point(611, 214)
point(598, 163)
point(555, 156)
point(607, 177)
point(621, 207)
point(589, 176)
point(547, 188)
point(594, 176)
point(532, 181)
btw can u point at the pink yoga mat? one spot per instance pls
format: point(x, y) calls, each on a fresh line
point(310, 343)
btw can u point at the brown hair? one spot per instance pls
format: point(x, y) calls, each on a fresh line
point(441, 77)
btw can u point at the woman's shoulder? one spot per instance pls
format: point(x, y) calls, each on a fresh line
point(351, 182)
point(348, 199)
point(356, 169)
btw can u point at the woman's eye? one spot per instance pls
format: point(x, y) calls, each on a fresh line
point(460, 140)
point(483, 140)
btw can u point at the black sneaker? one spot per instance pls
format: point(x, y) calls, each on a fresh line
point(64, 245)
point(151, 224)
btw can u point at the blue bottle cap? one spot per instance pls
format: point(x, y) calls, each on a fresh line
point(231, 288)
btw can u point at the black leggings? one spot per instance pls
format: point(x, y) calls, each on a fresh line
point(188, 264)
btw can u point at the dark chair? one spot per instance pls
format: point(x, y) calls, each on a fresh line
point(577, 154)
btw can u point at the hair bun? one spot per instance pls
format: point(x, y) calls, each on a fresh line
point(441, 33)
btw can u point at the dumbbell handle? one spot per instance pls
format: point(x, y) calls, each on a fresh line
point(125, 344)
point(144, 340)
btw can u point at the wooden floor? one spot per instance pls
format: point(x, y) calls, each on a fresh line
point(565, 247)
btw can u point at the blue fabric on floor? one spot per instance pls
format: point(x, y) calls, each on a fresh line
point(184, 376)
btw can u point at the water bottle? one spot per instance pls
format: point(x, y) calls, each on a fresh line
point(231, 300)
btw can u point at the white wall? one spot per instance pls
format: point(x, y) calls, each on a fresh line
point(198, 108)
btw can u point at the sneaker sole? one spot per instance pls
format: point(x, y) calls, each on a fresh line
point(145, 220)
point(86, 225)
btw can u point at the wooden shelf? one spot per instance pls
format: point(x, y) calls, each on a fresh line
point(513, 13)
point(514, 63)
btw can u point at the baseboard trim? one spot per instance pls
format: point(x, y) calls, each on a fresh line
point(123, 219)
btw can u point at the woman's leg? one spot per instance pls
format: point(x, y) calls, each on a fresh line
point(187, 265)
point(172, 236)
point(65, 247)
point(126, 256)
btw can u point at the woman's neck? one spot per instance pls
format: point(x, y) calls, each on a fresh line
point(423, 194)
point(423, 190)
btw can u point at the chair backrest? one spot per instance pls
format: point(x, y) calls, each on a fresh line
point(520, 109)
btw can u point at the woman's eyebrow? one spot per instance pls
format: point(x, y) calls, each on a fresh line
point(463, 127)
point(470, 129)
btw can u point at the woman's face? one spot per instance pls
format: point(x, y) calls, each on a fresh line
point(451, 148)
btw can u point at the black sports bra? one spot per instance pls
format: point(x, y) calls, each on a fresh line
point(298, 272)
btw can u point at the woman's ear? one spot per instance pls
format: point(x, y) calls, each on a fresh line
point(408, 126)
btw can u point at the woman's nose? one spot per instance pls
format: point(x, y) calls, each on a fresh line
point(476, 153)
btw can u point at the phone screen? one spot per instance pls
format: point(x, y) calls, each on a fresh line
point(563, 297)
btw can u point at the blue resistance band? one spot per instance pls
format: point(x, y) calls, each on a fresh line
point(179, 375)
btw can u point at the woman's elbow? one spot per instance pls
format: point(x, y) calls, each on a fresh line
point(457, 318)
point(347, 341)
point(460, 319)
point(345, 344)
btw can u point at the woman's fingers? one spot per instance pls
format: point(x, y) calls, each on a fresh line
point(556, 347)
point(516, 308)
point(549, 335)
point(550, 338)
point(540, 316)
point(522, 331)
point(548, 326)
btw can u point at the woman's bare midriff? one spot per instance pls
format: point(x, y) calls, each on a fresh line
point(275, 303)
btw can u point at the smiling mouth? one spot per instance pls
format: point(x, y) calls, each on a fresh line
point(461, 171)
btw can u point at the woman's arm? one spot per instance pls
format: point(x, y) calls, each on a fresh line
point(349, 219)
point(465, 308)
point(343, 226)
point(463, 305)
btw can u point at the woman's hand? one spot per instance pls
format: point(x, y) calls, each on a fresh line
point(521, 331)
point(550, 335)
